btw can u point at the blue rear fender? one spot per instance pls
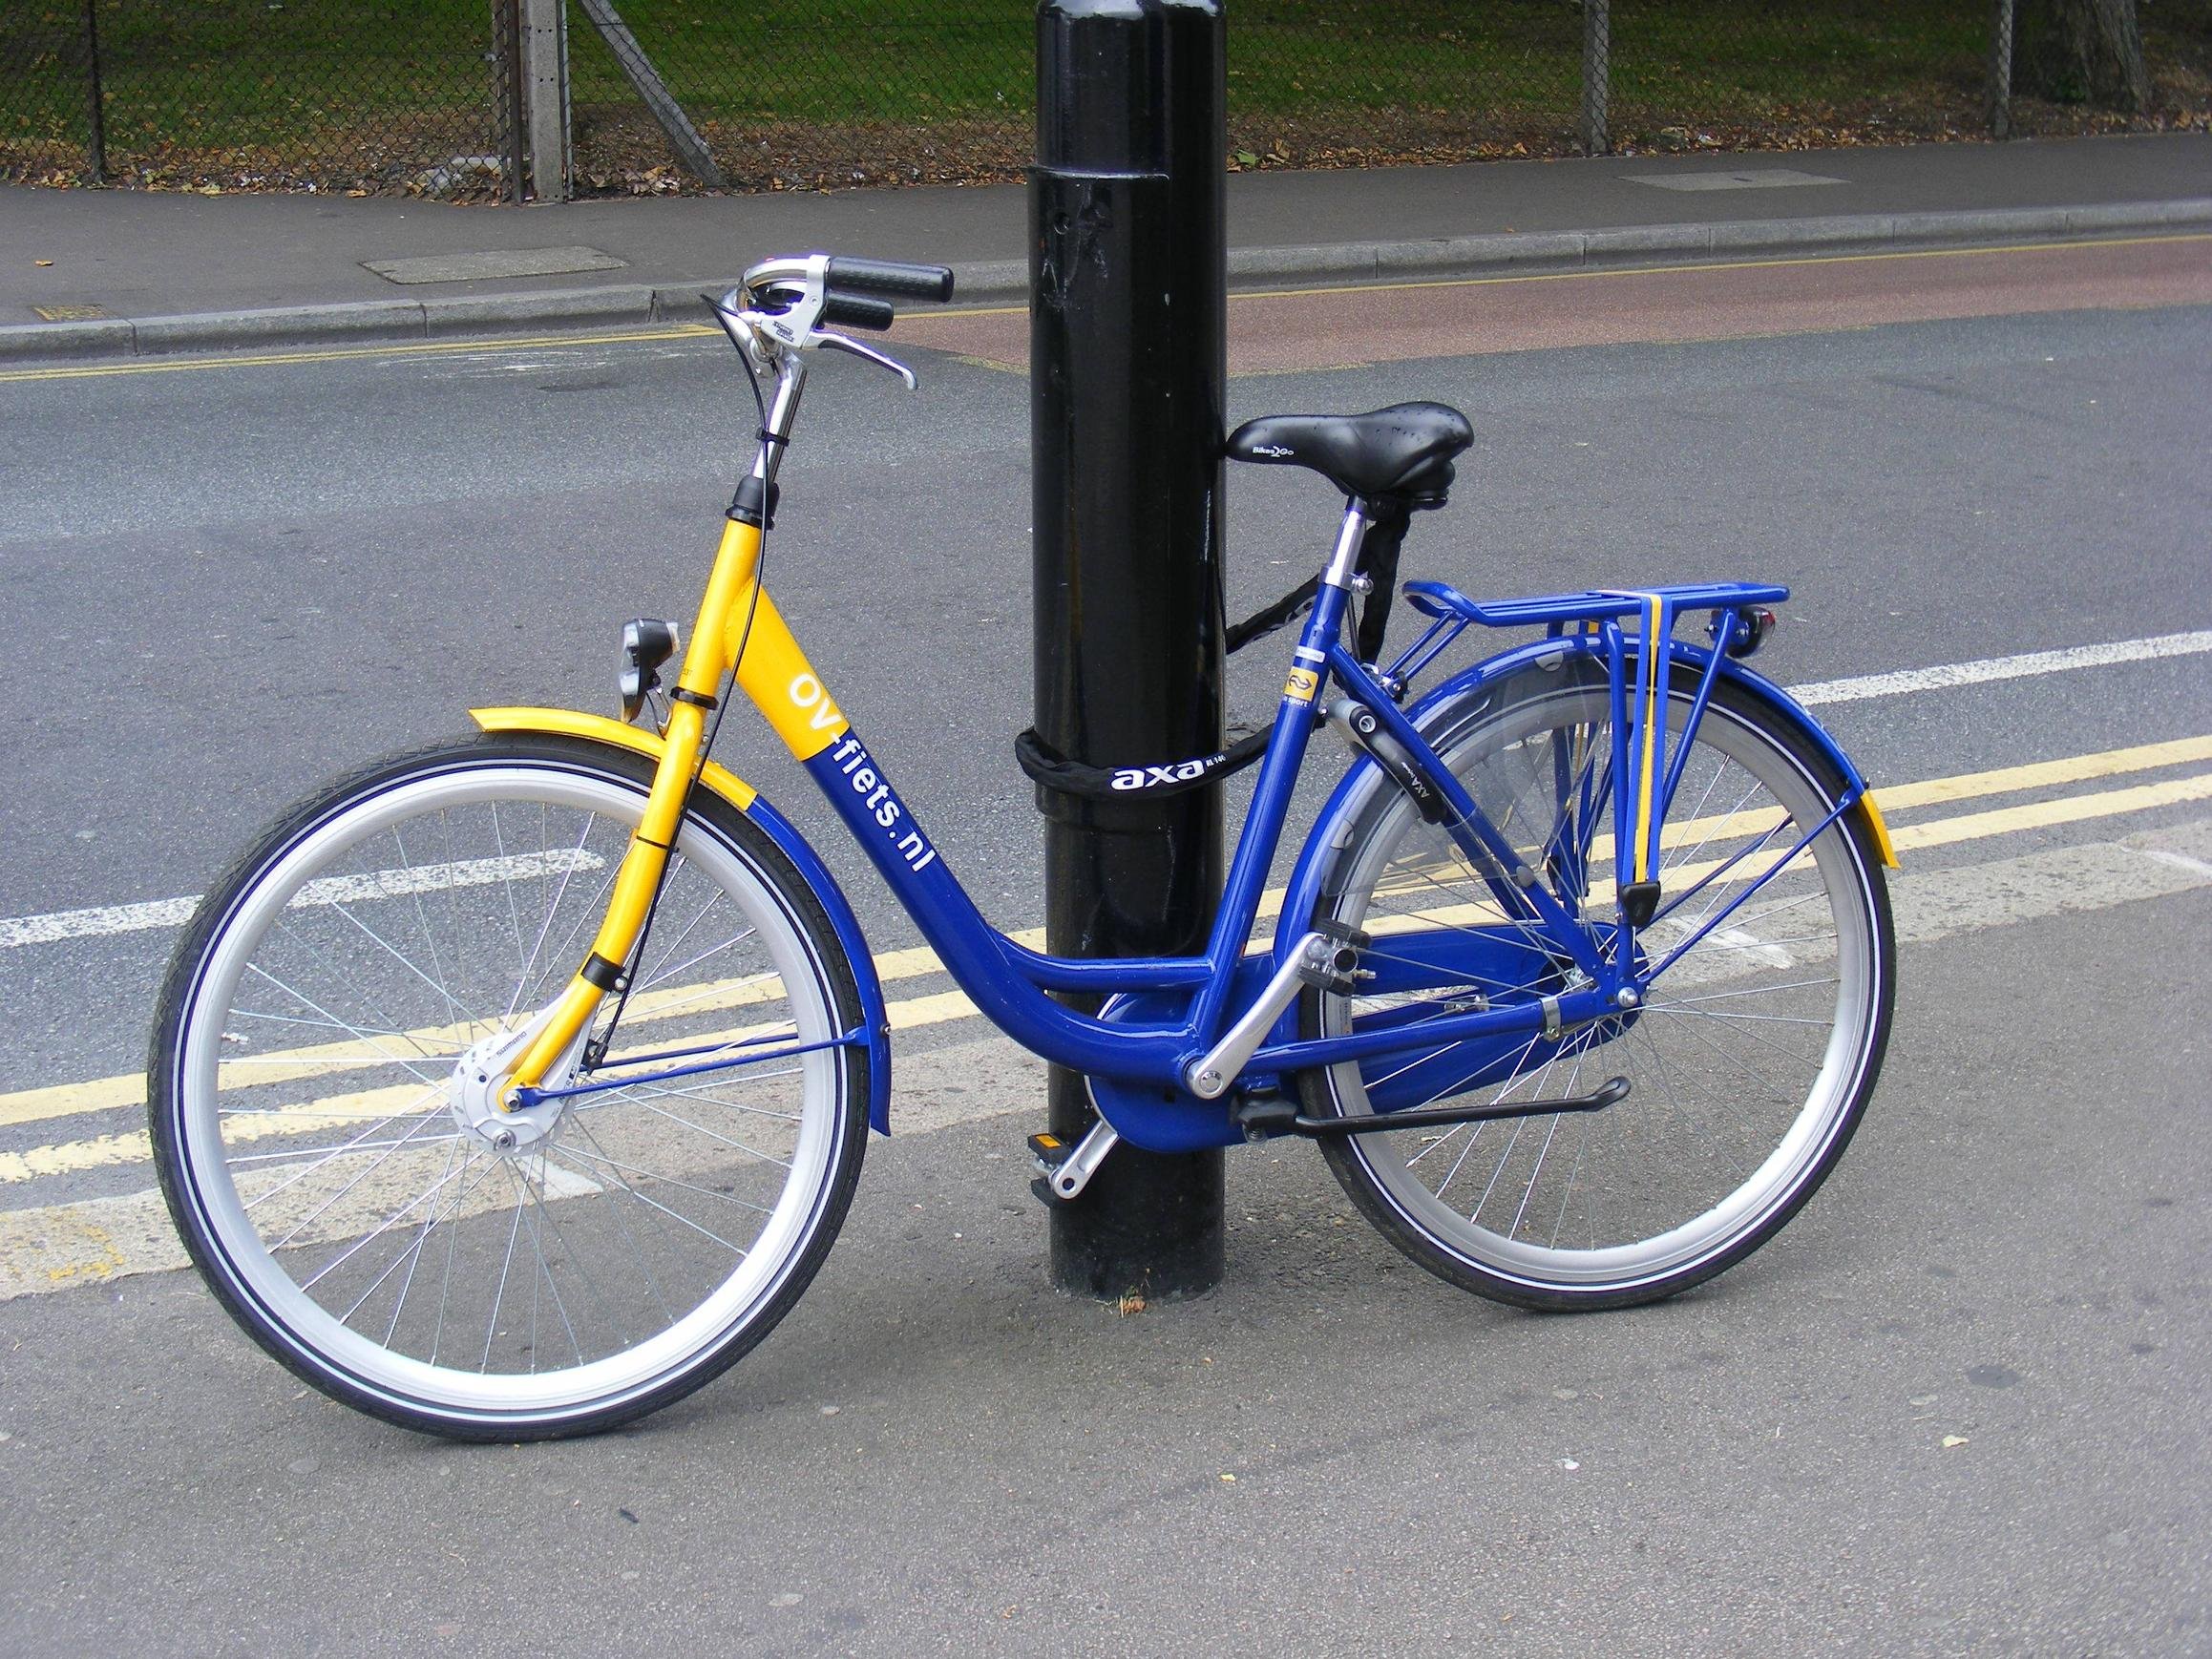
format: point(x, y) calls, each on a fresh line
point(876, 1021)
point(1461, 695)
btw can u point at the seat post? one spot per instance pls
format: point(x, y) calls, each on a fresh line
point(1345, 561)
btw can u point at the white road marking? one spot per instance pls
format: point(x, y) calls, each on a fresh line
point(127, 1090)
point(171, 913)
point(101, 920)
point(1988, 668)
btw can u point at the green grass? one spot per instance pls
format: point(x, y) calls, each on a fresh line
point(391, 85)
point(1713, 58)
point(847, 62)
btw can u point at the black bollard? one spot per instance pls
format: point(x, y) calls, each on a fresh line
point(1128, 369)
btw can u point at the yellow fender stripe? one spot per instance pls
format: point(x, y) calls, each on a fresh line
point(600, 728)
point(1654, 646)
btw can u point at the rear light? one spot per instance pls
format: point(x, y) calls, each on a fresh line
point(1747, 628)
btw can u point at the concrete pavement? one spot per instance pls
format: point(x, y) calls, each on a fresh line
point(101, 273)
point(1957, 1407)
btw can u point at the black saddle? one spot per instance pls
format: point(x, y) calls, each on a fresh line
point(1403, 452)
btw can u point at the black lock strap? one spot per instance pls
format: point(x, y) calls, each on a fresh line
point(1050, 769)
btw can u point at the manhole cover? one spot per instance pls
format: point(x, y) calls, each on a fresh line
point(1746, 178)
point(519, 262)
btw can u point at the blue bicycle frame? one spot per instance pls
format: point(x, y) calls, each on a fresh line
point(1164, 1013)
point(1161, 1016)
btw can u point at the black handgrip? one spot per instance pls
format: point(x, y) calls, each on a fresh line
point(888, 277)
point(857, 312)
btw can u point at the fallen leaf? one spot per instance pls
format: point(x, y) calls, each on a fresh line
point(1950, 1440)
point(42, 263)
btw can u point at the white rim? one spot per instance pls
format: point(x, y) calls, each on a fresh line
point(1764, 1190)
point(311, 1331)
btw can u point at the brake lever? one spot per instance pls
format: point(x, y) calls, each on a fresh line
point(868, 354)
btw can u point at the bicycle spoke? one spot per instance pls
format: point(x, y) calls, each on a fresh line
point(602, 1159)
point(429, 1115)
point(358, 1033)
point(407, 1255)
point(1730, 1055)
point(523, 980)
point(499, 1296)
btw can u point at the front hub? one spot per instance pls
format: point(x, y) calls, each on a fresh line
point(479, 1078)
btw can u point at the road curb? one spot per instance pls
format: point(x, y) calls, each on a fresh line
point(1007, 281)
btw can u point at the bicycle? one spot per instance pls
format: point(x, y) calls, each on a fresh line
point(1582, 980)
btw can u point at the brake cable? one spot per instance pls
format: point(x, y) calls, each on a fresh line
point(596, 1049)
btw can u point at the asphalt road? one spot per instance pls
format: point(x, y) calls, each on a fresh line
point(225, 581)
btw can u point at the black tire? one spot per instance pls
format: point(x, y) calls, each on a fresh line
point(317, 910)
point(1746, 1147)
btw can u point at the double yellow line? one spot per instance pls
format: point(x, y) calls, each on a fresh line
point(127, 1091)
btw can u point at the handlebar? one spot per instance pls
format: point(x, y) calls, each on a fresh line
point(891, 279)
point(778, 311)
point(855, 311)
point(777, 314)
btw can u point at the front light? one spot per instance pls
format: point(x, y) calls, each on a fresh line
point(646, 644)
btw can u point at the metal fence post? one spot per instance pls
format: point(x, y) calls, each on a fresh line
point(1127, 392)
point(510, 117)
point(2001, 71)
point(646, 81)
point(96, 104)
point(1596, 75)
point(545, 63)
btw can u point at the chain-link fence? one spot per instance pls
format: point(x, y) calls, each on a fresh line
point(798, 95)
point(807, 94)
point(429, 97)
point(1312, 82)
point(1701, 74)
point(331, 94)
point(49, 99)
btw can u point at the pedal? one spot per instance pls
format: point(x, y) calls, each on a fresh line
point(1064, 1169)
point(1333, 964)
point(1050, 1152)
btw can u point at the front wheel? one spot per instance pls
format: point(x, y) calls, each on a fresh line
point(557, 1272)
point(1750, 1061)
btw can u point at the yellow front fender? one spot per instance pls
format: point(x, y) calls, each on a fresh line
point(599, 728)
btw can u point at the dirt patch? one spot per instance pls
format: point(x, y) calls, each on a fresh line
point(621, 153)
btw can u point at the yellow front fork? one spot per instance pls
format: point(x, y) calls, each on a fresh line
point(774, 673)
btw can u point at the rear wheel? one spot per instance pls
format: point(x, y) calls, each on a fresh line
point(1750, 1061)
point(466, 1272)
